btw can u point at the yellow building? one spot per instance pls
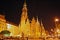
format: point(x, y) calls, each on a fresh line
point(30, 28)
point(26, 27)
point(23, 24)
point(33, 27)
point(43, 32)
point(13, 29)
point(38, 28)
point(3, 25)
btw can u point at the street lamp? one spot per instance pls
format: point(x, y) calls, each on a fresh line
point(56, 20)
point(57, 32)
point(56, 25)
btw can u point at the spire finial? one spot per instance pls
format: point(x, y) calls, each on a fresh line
point(37, 18)
point(24, 2)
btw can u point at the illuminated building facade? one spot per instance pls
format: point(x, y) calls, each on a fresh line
point(3, 25)
point(30, 28)
point(13, 29)
point(26, 27)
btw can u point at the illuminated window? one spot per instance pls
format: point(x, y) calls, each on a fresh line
point(8, 26)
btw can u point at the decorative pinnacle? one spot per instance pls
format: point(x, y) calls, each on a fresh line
point(41, 23)
point(37, 18)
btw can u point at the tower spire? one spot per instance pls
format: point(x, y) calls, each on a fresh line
point(24, 11)
point(24, 6)
point(25, 3)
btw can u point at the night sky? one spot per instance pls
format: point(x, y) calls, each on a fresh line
point(45, 10)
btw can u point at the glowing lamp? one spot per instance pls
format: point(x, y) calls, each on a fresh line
point(56, 20)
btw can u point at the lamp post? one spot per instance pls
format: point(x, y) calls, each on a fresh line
point(56, 25)
point(57, 32)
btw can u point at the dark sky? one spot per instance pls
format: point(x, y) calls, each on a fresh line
point(45, 10)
